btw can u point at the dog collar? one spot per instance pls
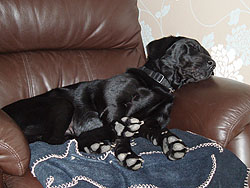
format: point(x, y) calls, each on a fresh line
point(158, 77)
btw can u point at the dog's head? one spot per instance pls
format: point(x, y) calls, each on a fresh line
point(181, 60)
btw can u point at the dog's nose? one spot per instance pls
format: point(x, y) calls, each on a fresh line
point(211, 63)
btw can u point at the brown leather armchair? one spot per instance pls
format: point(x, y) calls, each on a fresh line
point(48, 44)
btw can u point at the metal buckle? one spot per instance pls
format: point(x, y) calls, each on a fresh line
point(171, 90)
point(158, 77)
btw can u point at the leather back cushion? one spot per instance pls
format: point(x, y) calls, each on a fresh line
point(48, 44)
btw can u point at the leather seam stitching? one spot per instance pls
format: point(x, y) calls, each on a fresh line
point(12, 151)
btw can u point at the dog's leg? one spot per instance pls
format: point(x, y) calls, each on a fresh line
point(172, 146)
point(95, 141)
point(126, 156)
point(42, 118)
point(127, 127)
point(58, 120)
point(124, 129)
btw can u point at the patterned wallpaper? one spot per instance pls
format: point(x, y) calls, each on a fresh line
point(221, 26)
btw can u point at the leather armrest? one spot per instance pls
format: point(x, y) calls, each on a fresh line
point(14, 149)
point(218, 109)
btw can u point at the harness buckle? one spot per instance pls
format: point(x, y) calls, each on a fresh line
point(157, 77)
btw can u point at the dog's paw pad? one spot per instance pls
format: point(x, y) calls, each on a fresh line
point(122, 156)
point(94, 147)
point(165, 147)
point(173, 147)
point(154, 141)
point(105, 148)
point(119, 128)
point(130, 161)
point(86, 149)
point(134, 163)
point(100, 147)
point(128, 134)
point(127, 127)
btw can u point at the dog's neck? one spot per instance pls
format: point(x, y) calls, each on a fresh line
point(159, 78)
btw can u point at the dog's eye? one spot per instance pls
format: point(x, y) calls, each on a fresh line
point(135, 97)
point(192, 47)
point(127, 104)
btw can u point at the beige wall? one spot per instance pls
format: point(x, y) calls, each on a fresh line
point(221, 26)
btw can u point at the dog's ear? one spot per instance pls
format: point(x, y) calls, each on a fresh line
point(157, 48)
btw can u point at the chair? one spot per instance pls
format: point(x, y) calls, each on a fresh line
point(48, 44)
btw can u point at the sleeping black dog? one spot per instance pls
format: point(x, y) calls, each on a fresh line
point(136, 103)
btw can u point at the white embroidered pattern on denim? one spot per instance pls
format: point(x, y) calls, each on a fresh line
point(150, 153)
point(209, 144)
point(76, 179)
point(74, 182)
point(47, 157)
point(246, 180)
point(143, 186)
point(211, 174)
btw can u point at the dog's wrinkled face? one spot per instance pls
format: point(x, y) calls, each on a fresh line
point(181, 60)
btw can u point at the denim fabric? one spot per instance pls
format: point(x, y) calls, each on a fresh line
point(206, 165)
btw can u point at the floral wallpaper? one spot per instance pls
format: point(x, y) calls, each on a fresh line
point(222, 27)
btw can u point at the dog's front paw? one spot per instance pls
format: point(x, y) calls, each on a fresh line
point(127, 127)
point(173, 147)
point(130, 160)
point(100, 147)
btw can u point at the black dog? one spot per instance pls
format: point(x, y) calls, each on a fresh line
point(134, 104)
